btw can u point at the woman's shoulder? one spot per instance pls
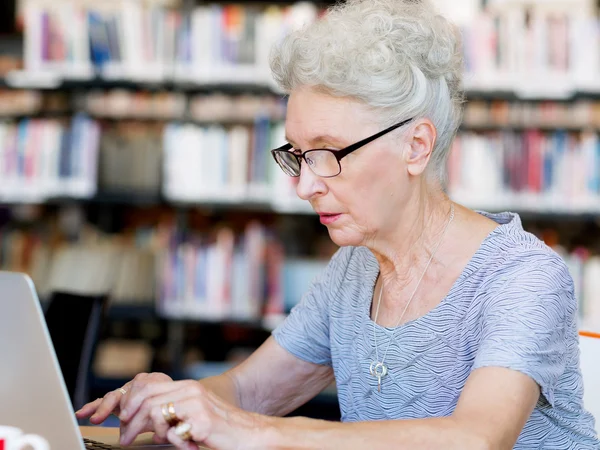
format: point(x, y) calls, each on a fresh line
point(517, 264)
point(512, 252)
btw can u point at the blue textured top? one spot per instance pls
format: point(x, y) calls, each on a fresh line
point(512, 306)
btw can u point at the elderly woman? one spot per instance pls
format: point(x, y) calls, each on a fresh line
point(442, 327)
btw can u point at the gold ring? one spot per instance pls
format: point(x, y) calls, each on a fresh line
point(174, 419)
point(122, 391)
point(168, 412)
point(184, 431)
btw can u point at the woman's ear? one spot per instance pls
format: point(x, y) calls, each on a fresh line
point(421, 142)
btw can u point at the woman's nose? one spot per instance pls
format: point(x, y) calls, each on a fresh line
point(309, 185)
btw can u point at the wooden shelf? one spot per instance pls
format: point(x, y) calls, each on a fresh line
point(55, 82)
point(524, 204)
point(519, 128)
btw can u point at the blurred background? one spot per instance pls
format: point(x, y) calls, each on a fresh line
point(136, 178)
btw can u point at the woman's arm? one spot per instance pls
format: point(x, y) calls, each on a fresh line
point(278, 377)
point(492, 410)
point(271, 381)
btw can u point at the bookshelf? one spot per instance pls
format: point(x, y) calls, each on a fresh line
point(151, 145)
point(156, 112)
point(52, 82)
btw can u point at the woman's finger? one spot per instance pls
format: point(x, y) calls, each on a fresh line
point(108, 405)
point(88, 409)
point(180, 443)
point(149, 416)
point(211, 421)
point(125, 392)
point(138, 383)
point(159, 440)
point(142, 387)
point(193, 411)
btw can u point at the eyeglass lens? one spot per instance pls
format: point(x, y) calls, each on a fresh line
point(322, 162)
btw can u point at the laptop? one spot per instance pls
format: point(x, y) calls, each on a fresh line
point(33, 394)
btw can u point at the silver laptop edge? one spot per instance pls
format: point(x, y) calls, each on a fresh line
point(33, 394)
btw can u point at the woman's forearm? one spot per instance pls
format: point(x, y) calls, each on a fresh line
point(302, 433)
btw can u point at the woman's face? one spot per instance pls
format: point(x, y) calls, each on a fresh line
point(365, 201)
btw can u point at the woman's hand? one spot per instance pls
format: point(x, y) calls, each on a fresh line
point(112, 403)
point(211, 420)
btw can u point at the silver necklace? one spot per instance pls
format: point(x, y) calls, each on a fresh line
point(378, 369)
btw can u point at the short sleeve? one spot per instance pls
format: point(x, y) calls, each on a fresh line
point(305, 332)
point(528, 318)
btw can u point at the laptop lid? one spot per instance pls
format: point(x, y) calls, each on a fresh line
point(33, 395)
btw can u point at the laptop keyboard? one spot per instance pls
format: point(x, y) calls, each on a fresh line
point(95, 445)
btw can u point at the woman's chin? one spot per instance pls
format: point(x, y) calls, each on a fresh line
point(344, 239)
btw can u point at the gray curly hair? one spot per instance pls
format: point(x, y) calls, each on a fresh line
point(400, 57)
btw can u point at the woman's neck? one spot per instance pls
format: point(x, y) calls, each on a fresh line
point(404, 253)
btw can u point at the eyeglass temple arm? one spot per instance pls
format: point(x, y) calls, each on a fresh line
point(285, 147)
point(340, 154)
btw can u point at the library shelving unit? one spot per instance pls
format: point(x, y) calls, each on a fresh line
point(122, 122)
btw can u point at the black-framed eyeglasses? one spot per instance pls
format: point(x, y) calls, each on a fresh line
point(322, 161)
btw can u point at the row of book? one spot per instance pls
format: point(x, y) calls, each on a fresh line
point(222, 108)
point(581, 113)
point(560, 168)
point(532, 49)
point(548, 171)
point(193, 163)
point(124, 103)
point(151, 42)
point(213, 107)
point(41, 158)
point(585, 270)
point(26, 102)
point(90, 266)
point(19, 102)
point(131, 159)
point(219, 163)
point(186, 162)
point(223, 273)
point(53, 158)
point(245, 108)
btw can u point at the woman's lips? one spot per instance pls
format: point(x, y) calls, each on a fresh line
point(328, 218)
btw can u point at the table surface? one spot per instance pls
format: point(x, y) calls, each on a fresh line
point(91, 432)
